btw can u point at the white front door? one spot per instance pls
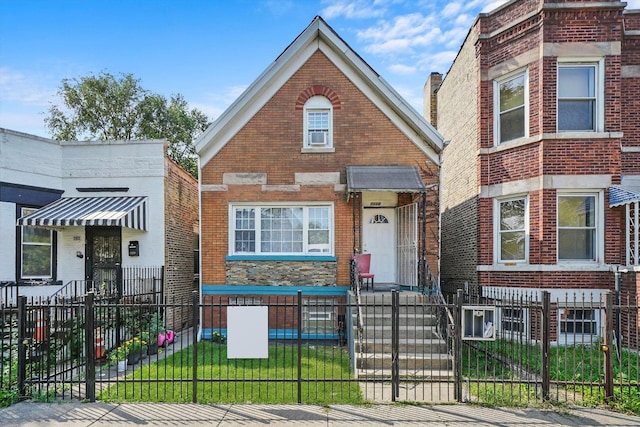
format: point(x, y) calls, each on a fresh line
point(379, 239)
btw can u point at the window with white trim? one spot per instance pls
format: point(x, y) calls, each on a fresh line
point(318, 316)
point(511, 106)
point(579, 97)
point(578, 321)
point(318, 123)
point(512, 320)
point(577, 227)
point(282, 230)
point(36, 251)
point(511, 229)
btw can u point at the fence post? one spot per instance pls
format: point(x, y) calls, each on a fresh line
point(606, 347)
point(119, 292)
point(545, 343)
point(299, 346)
point(195, 317)
point(457, 346)
point(395, 341)
point(23, 342)
point(89, 347)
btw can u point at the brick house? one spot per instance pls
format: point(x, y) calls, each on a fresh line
point(75, 210)
point(541, 179)
point(317, 160)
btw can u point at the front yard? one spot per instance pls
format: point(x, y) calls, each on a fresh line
point(324, 373)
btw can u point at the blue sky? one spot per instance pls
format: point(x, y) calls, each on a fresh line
point(210, 51)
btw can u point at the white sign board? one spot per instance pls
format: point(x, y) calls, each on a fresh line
point(248, 332)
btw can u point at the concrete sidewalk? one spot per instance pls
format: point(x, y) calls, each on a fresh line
point(158, 414)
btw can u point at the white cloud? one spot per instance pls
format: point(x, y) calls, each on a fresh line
point(278, 7)
point(215, 104)
point(633, 4)
point(491, 5)
point(402, 69)
point(24, 89)
point(400, 35)
point(413, 95)
point(29, 121)
point(437, 62)
point(453, 38)
point(350, 9)
point(451, 9)
point(464, 20)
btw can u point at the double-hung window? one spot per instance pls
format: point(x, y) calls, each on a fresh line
point(511, 106)
point(36, 251)
point(282, 230)
point(511, 229)
point(580, 95)
point(577, 227)
point(318, 123)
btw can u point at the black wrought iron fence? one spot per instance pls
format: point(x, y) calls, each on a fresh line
point(519, 348)
point(504, 349)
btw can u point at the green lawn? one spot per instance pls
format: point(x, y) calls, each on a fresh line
point(220, 380)
point(579, 365)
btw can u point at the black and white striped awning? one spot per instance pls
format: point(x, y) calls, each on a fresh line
point(125, 211)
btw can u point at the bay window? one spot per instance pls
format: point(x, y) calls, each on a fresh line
point(511, 233)
point(511, 107)
point(579, 97)
point(577, 227)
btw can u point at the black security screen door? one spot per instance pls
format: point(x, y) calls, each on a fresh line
point(104, 253)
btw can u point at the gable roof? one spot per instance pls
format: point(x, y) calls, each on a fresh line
point(319, 36)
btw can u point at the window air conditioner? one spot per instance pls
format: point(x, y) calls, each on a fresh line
point(317, 138)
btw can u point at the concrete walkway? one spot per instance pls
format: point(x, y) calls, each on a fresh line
point(77, 414)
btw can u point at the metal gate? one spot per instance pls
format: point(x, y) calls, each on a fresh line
point(407, 246)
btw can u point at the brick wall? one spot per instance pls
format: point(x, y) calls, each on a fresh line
point(533, 34)
point(181, 224)
point(271, 142)
point(457, 120)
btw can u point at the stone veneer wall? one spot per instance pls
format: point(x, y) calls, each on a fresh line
point(282, 273)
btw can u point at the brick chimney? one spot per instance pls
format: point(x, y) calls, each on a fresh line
point(430, 98)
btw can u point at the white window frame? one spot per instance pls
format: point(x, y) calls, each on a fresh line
point(496, 104)
point(598, 64)
point(598, 251)
point(26, 211)
point(569, 336)
point(318, 104)
point(320, 311)
point(497, 232)
point(308, 249)
point(506, 320)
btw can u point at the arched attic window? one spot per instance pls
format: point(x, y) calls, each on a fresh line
point(318, 123)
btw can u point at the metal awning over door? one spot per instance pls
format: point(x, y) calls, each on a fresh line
point(123, 211)
point(397, 179)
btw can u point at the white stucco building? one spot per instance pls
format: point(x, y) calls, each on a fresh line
point(72, 211)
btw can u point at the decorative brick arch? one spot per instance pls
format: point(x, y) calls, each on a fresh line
point(318, 90)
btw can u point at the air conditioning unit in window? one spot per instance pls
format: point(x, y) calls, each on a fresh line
point(318, 138)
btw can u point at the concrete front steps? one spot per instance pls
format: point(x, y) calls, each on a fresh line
point(422, 353)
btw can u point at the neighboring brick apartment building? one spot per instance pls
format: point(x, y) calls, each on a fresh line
point(318, 159)
point(80, 206)
point(541, 178)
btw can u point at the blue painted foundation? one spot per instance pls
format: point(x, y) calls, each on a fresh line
point(275, 334)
